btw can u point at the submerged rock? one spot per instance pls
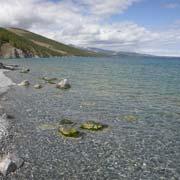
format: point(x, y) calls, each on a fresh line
point(37, 86)
point(25, 71)
point(93, 126)
point(66, 122)
point(64, 84)
point(88, 104)
point(24, 83)
point(69, 132)
point(49, 80)
point(130, 118)
point(10, 163)
point(48, 126)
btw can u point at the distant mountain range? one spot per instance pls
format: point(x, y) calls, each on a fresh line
point(119, 54)
point(19, 43)
point(126, 54)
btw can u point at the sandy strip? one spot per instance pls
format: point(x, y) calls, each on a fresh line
point(5, 82)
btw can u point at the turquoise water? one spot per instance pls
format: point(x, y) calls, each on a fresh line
point(108, 90)
point(119, 86)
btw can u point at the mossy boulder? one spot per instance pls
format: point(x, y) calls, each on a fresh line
point(69, 132)
point(66, 122)
point(25, 71)
point(93, 126)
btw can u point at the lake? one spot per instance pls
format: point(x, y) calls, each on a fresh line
point(138, 98)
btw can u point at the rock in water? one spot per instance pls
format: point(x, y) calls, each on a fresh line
point(64, 84)
point(66, 122)
point(49, 80)
point(24, 83)
point(24, 70)
point(10, 163)
point(130, 118)
point(37, 86)
point(93, 126)
point(69, 132)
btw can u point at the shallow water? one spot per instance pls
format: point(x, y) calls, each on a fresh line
point(138, 98)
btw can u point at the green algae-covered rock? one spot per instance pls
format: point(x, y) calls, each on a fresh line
point(69, 132)
point(65, 122)
point(93, 126)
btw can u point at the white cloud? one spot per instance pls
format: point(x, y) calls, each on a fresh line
point(84, 23)
point(107, 7)
point(171, 5)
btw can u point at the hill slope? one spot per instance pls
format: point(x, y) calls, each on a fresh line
point(19, 43)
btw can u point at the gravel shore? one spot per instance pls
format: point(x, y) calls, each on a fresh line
point(5, 82)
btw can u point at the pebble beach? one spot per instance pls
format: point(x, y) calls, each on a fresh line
point(5, 82)
point(137, 99)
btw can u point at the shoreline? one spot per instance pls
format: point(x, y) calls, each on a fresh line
point(4, 87)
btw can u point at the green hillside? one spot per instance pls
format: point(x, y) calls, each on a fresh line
point(34, 45)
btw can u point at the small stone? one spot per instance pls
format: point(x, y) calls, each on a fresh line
point(144, 165)
point(24, 83)
point(64, 84)
point(37, 86)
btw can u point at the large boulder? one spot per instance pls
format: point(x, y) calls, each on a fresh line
point(24, 83)
point(64, 84)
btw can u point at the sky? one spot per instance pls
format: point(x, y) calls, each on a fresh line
point(144, 26)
